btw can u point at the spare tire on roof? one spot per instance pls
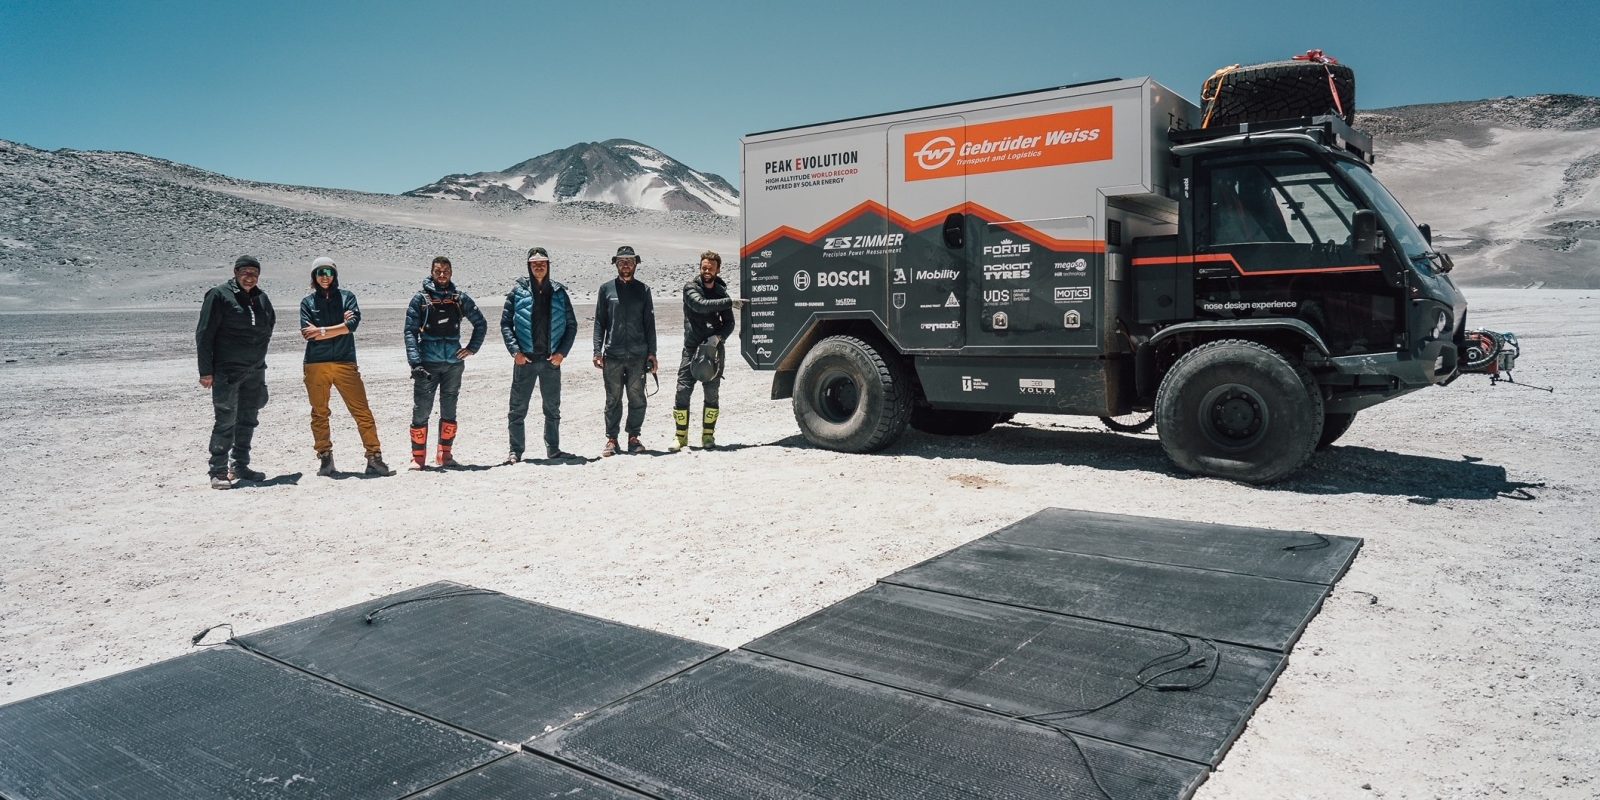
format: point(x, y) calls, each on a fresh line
point(1299, 87)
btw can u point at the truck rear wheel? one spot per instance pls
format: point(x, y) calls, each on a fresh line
point(943, 422)
point(849, 397)
point(1238, 410)
point(1334, 426)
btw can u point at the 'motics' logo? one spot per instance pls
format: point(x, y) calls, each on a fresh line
point(936, 152)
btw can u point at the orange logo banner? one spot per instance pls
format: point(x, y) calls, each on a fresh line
point(1071, 137)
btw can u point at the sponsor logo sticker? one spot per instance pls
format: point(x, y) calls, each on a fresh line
point(952, 302)
point(1000, 321)
point(971, 384)
point(802, 280)
point(1036, 385)
point(1071, 294)
point(1072, 320)
point(899, 299)
point(953, 325)
point(763, 352)
point(1048, 140)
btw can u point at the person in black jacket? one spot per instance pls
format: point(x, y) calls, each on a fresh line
point(231, 340)
point(708, 314)
point(437, 358)
point(625, 347)
point(329, 317)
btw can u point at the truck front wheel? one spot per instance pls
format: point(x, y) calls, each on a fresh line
point(849, 397)
point(1238, 410)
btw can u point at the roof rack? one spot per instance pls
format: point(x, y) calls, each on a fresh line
point(1329, 130)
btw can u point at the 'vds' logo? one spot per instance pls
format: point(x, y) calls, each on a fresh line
point(936, 152)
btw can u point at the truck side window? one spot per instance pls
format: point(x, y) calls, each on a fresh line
point(1277, 201)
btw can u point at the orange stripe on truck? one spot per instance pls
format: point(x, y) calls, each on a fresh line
point(924, 223)
point(1228, 258)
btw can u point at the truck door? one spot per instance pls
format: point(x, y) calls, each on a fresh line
point(927, 198)
point(1275, 240)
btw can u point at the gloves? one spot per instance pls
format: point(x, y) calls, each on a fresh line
point(419, 373)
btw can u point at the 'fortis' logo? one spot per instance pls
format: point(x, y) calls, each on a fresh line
point(936, 152)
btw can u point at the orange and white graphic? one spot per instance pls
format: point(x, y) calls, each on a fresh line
point(1071, 137)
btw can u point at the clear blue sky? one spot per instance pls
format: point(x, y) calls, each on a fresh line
point(388, 96)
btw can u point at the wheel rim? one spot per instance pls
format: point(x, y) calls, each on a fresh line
point(837, 397)
point(1234, 416)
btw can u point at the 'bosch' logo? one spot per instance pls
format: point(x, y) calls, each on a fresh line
point(802, 280)
point(936, 152)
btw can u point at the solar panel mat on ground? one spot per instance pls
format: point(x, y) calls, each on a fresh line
point(1068, 655)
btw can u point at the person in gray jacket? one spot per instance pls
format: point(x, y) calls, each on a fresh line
point(625, 347)
point(539, 327)
point(436, 356)
point(231, 340)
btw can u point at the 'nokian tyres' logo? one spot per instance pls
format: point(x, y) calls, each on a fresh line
point(802, 280)
point(936, 152)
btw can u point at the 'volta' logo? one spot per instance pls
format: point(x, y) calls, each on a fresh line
point(936, 152)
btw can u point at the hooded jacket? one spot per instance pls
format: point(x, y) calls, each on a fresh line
point(326, 310)
point(516, 319)
point(234, 329)
point(422, 346)
point(706, 312)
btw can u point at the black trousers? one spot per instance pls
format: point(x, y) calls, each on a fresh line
point(236, 401)
point(523, 378)
point(686, 381)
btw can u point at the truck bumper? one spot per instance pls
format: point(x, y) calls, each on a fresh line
point(1362, 381)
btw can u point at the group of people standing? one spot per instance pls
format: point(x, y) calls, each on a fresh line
point(537, 324)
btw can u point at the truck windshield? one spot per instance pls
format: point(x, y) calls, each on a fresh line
point(1408, 238)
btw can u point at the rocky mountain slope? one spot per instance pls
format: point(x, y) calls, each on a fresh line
point(1509, 185)
point(118, 230)
point(618, 171)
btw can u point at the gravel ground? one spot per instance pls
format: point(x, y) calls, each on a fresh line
point(1454, 660)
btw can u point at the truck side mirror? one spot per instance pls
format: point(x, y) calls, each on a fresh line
point(955, 231)
point(1368, 239)
point(1427, 233)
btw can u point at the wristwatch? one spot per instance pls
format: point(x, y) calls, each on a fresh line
point(324, 331)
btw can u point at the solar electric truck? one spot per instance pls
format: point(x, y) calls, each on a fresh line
point(1088, 250)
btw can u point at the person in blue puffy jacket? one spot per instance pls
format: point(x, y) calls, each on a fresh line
point(436, 356)
point(539, 327)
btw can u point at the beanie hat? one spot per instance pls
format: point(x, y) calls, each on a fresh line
point(626, 252)
point(246, 261)
point(323, 261)
point(538, 253)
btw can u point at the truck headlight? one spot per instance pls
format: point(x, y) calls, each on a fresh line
point(1442, 325)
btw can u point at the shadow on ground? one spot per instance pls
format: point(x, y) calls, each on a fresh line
point(1338, 470)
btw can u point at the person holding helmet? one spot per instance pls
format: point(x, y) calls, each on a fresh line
point(539, 327)
point(708, 320)
point(329, 317)
point(625, 347)
point(231, 338)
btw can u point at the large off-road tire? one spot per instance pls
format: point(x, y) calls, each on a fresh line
point(850, 397)
point(1279, 90)
point(1238, 410)
point(1132, 422)
point(1334, 426)
point(943, 422)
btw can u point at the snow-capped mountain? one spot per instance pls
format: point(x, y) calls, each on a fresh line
point(619, 171)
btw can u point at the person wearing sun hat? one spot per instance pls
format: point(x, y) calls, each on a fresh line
point(329, 317)
point(539, 327)
point(624, 347)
